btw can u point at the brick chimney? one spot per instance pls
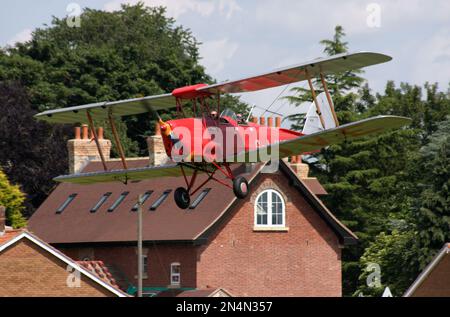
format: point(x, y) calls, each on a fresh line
point(156, 152)
point(301, 169)
point(2, 220)
point(83, 149)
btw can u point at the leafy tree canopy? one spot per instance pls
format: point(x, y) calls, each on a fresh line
point(12, 199)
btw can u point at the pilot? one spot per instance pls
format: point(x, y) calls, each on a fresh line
point(240, 119)
point(214, 115)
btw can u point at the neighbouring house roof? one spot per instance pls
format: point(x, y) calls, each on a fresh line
point(434, 280)
point(99, 268)
point(14, 238)
point(76, 224)
point(8, 235)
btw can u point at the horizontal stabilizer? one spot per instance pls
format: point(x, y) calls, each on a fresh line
point(132, 174)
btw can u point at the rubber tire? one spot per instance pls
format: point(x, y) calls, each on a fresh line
point(182, 198)
point(240, 187)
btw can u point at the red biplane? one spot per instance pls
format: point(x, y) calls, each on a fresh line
point(209, 143)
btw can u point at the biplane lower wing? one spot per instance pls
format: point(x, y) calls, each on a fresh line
point(316, 141)
point(122, 175)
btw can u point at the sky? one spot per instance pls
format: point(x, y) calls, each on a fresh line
point(247, 37)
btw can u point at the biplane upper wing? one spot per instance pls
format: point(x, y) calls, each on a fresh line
point(327, 65)
point(101, 110)
point(121, 175)
point(316, 141)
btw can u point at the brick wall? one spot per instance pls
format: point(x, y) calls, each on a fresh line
point(27, 270)
point(305, 261)
point(160, 257)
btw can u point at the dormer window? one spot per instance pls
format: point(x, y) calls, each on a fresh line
point(269, 209)
point(143, 200)
point(102, 200)
point(66, 203)
point(118, 201)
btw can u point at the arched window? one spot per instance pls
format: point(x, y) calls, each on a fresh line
point(269, 209)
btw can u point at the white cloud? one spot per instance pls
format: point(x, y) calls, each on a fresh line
point(215, 54)
point(22, 36)
point(431, 61)
point(176, 8)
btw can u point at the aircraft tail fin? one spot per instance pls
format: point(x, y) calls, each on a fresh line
point(312, 121)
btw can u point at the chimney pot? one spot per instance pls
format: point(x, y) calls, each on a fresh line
point(262, 121)
point(2, 219)
point(77, 133)
point(100, 133)
point(85, 130)
point(278, 122)
point(270, 122)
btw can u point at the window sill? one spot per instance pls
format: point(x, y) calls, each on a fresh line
point(270, 229)
point(174, 286)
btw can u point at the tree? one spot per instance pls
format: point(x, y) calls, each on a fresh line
point(340, 85)
point(432, 209)
point(395, 253)
point(32, 153)
point(12, 199)
point(136, 51)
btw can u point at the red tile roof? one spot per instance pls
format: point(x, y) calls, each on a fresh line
point(99, 269)
point(9, 234)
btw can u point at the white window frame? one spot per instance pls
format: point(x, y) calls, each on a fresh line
point(172, 274)
point(269, 210)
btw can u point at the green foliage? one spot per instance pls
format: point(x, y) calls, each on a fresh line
point(13, 200)
point(432, 209)
point(395, 254)
point(136, 51)
point(387, 190)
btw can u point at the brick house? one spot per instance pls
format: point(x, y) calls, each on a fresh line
point(31, 267)
point(279, 241)
point(434, 281)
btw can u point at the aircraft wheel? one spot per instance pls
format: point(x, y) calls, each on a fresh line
point(182, 198)
point(240, 187)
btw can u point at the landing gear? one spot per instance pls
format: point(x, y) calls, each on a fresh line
point(240, 187)
point(182, 198)
point(183, 194)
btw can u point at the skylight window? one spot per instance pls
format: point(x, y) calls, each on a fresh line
point(199, 198)
point(66, 203)
point(144, 198)
point(118, 201)
point(101, 201)
point(160, 200)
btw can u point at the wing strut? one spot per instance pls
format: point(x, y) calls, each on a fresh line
point(94, 133)
point(330, 101)
point(313, 93)
point(117, 140)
